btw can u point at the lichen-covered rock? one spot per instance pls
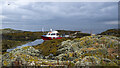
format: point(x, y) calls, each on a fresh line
point(97, 50)
point(99, 47)
point(27, 50)
point(25, 54)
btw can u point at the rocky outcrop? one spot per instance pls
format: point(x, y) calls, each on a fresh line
point(97, 50)
point(25, 55)
point(90, 48)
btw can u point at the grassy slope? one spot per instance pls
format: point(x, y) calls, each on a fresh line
point(50, 47)
point(113, 32)
point(12, 38)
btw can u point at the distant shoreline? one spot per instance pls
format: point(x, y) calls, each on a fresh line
point(96, 31)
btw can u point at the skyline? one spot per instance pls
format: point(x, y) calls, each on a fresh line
point(80, 16)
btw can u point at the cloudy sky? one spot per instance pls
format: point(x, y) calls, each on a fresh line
point(83, 16)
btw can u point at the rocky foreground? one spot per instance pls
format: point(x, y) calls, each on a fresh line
point(100, 50)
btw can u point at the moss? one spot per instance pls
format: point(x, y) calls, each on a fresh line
point(26, 47)
point(12, 57)
point(4, 53)
point(70, 54)
point(71, 64)
point(7, 44)
point(5, 63)
point(50, 47)
point(45, 63)
point(76, 60)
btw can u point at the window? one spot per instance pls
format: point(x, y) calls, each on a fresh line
point(58, 34)
point(53, 34)
point(48, 33)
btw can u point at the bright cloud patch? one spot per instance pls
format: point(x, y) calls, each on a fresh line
point(112, 23)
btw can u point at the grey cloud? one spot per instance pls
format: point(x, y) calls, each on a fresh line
point(81, 15)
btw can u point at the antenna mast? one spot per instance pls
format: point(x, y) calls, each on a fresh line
point(50, 29)
point(42, 29)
